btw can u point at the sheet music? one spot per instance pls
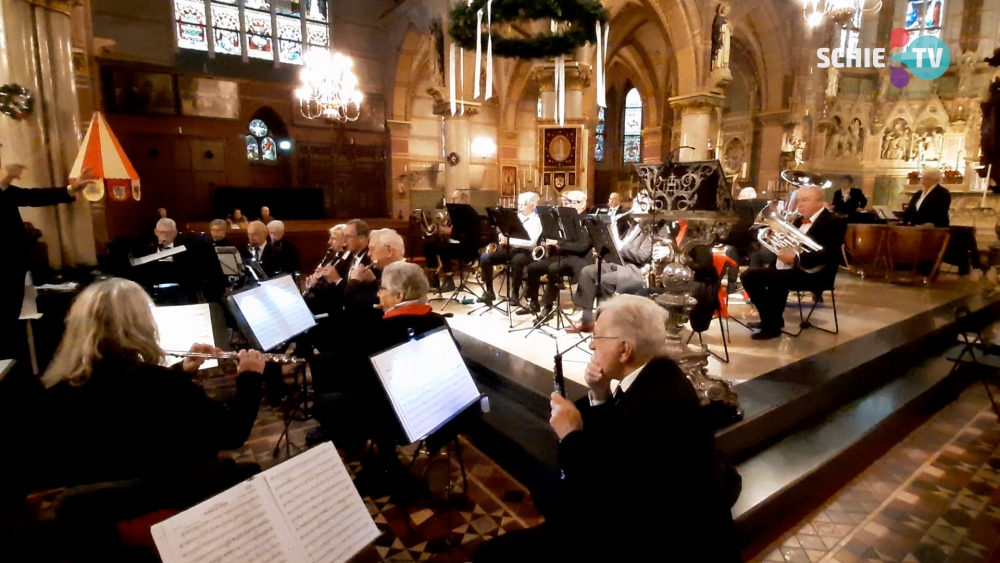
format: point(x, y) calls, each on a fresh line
point(159, 255)
point(288, 298)
point(321, 506)
point(275, 311)
point(182, 326)
point(241, 524)
point(427, 382)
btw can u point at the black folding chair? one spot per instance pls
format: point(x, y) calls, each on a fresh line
point(805, 319)
point(972, 337)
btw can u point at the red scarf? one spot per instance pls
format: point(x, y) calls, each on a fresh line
point(411, 309)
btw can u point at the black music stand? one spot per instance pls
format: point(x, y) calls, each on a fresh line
point(509, 225)
point(459, 213)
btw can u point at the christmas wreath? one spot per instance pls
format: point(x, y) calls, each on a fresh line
point(581, 17)
point(16, 101)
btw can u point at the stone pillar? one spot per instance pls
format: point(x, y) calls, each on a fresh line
point(399, 147)
point(652, 145)
point(457, 140)
point(37, 54)
point(696, 123)
point(772, 132)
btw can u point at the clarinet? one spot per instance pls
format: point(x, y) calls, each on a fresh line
point(330, 254)
point(558, 380)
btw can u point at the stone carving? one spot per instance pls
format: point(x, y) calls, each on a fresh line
point(897, 141)
point(832, 82)
point(734, 156)
point(435, 57)
point(721, 38)
point(844, 140)
point(929, 144)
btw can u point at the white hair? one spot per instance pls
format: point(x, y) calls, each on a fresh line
point(276, 227)
point(338, 228)
point(388, 237)
point(748, 193)
point(574, 196)
point(166, 224)
point(930, 171)
point(407, 279)
point(527, 198)
point(637, 320)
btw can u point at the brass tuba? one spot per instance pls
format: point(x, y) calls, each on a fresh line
point(778, 233)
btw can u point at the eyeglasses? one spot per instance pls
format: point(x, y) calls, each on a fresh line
point(595, 337)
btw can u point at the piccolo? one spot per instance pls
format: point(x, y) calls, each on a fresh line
point(275, 358)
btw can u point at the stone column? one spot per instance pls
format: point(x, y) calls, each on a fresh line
point(399, 146)
point(652, 145)
point(37, 54)
point(772, 132)
point(696, 123)
point(457, 140)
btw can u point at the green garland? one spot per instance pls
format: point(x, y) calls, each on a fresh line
point(583, 16)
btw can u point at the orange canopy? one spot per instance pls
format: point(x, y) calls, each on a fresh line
point(103, 154)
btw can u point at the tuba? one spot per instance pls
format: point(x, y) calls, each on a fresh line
point(778, 233)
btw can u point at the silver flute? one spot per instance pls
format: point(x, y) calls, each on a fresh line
point(275, 358)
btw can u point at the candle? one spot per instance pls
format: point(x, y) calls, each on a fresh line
point(743, 173)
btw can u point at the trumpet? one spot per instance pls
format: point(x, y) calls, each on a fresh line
point(274, 358)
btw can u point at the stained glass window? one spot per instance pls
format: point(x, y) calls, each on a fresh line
point(849, 38)
point(924, 17)
point(268, 149)
point(599, 136)
point(190, 17)
point(253, 151)
point(249, 25)
point(260, 145)
point(632, 144)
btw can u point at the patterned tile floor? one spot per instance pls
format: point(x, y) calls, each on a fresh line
point(933, 498)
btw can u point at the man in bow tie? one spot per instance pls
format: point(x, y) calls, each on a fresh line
point(646, 448)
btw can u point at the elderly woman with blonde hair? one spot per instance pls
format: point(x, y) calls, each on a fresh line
point(114, 411)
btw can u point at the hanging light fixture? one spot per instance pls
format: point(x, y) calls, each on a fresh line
point(329, 87)
point(841, 12)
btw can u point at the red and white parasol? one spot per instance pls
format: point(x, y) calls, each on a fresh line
point(103, 154)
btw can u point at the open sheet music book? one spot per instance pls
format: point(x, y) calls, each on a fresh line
point(427, 382)
point(182, 326)
point(305, 510)
point(272, 312)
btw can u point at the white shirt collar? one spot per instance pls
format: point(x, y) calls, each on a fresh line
point(816, 215)
point(630, 378)
point(404, 304)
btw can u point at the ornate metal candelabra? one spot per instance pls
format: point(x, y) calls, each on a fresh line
point(695, 192)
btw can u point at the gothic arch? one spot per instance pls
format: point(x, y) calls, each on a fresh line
point(407, 75)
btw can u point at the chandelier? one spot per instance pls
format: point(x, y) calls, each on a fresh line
point(841, 12)
point(329, 88)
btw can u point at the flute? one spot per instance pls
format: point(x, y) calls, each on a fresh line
point(275, 358)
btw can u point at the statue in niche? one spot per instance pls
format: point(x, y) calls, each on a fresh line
point(837, 140)
point(734, 156)
point(721, 38)
point(832, 82)
point(897, 141)
point(856, 139)
point(435, 59)
point(930, 145)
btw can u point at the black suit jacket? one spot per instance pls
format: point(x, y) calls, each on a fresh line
point(933, 210)
point(272, 260)
point(828, 230)
point(13, 234)
point(856, 202)
point(653, 447)
point(289, 255)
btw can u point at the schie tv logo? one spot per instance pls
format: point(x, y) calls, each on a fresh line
point(927, 57)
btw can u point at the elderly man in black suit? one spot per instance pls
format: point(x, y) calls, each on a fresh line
point(849, 200)
point(930, 205)
point(806, 271)
point(262, 251)
point(614, 478)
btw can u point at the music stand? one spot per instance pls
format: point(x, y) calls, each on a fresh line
point(230, 260)
point(462, 214)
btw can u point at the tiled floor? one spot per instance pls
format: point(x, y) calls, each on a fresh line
point(933, 498)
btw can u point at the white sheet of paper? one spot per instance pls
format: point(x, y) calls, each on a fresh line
point(427, 382)
point(241, 525)
point(275, 311)
point(159, 255)
point(182, 326)
point(323, 509)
